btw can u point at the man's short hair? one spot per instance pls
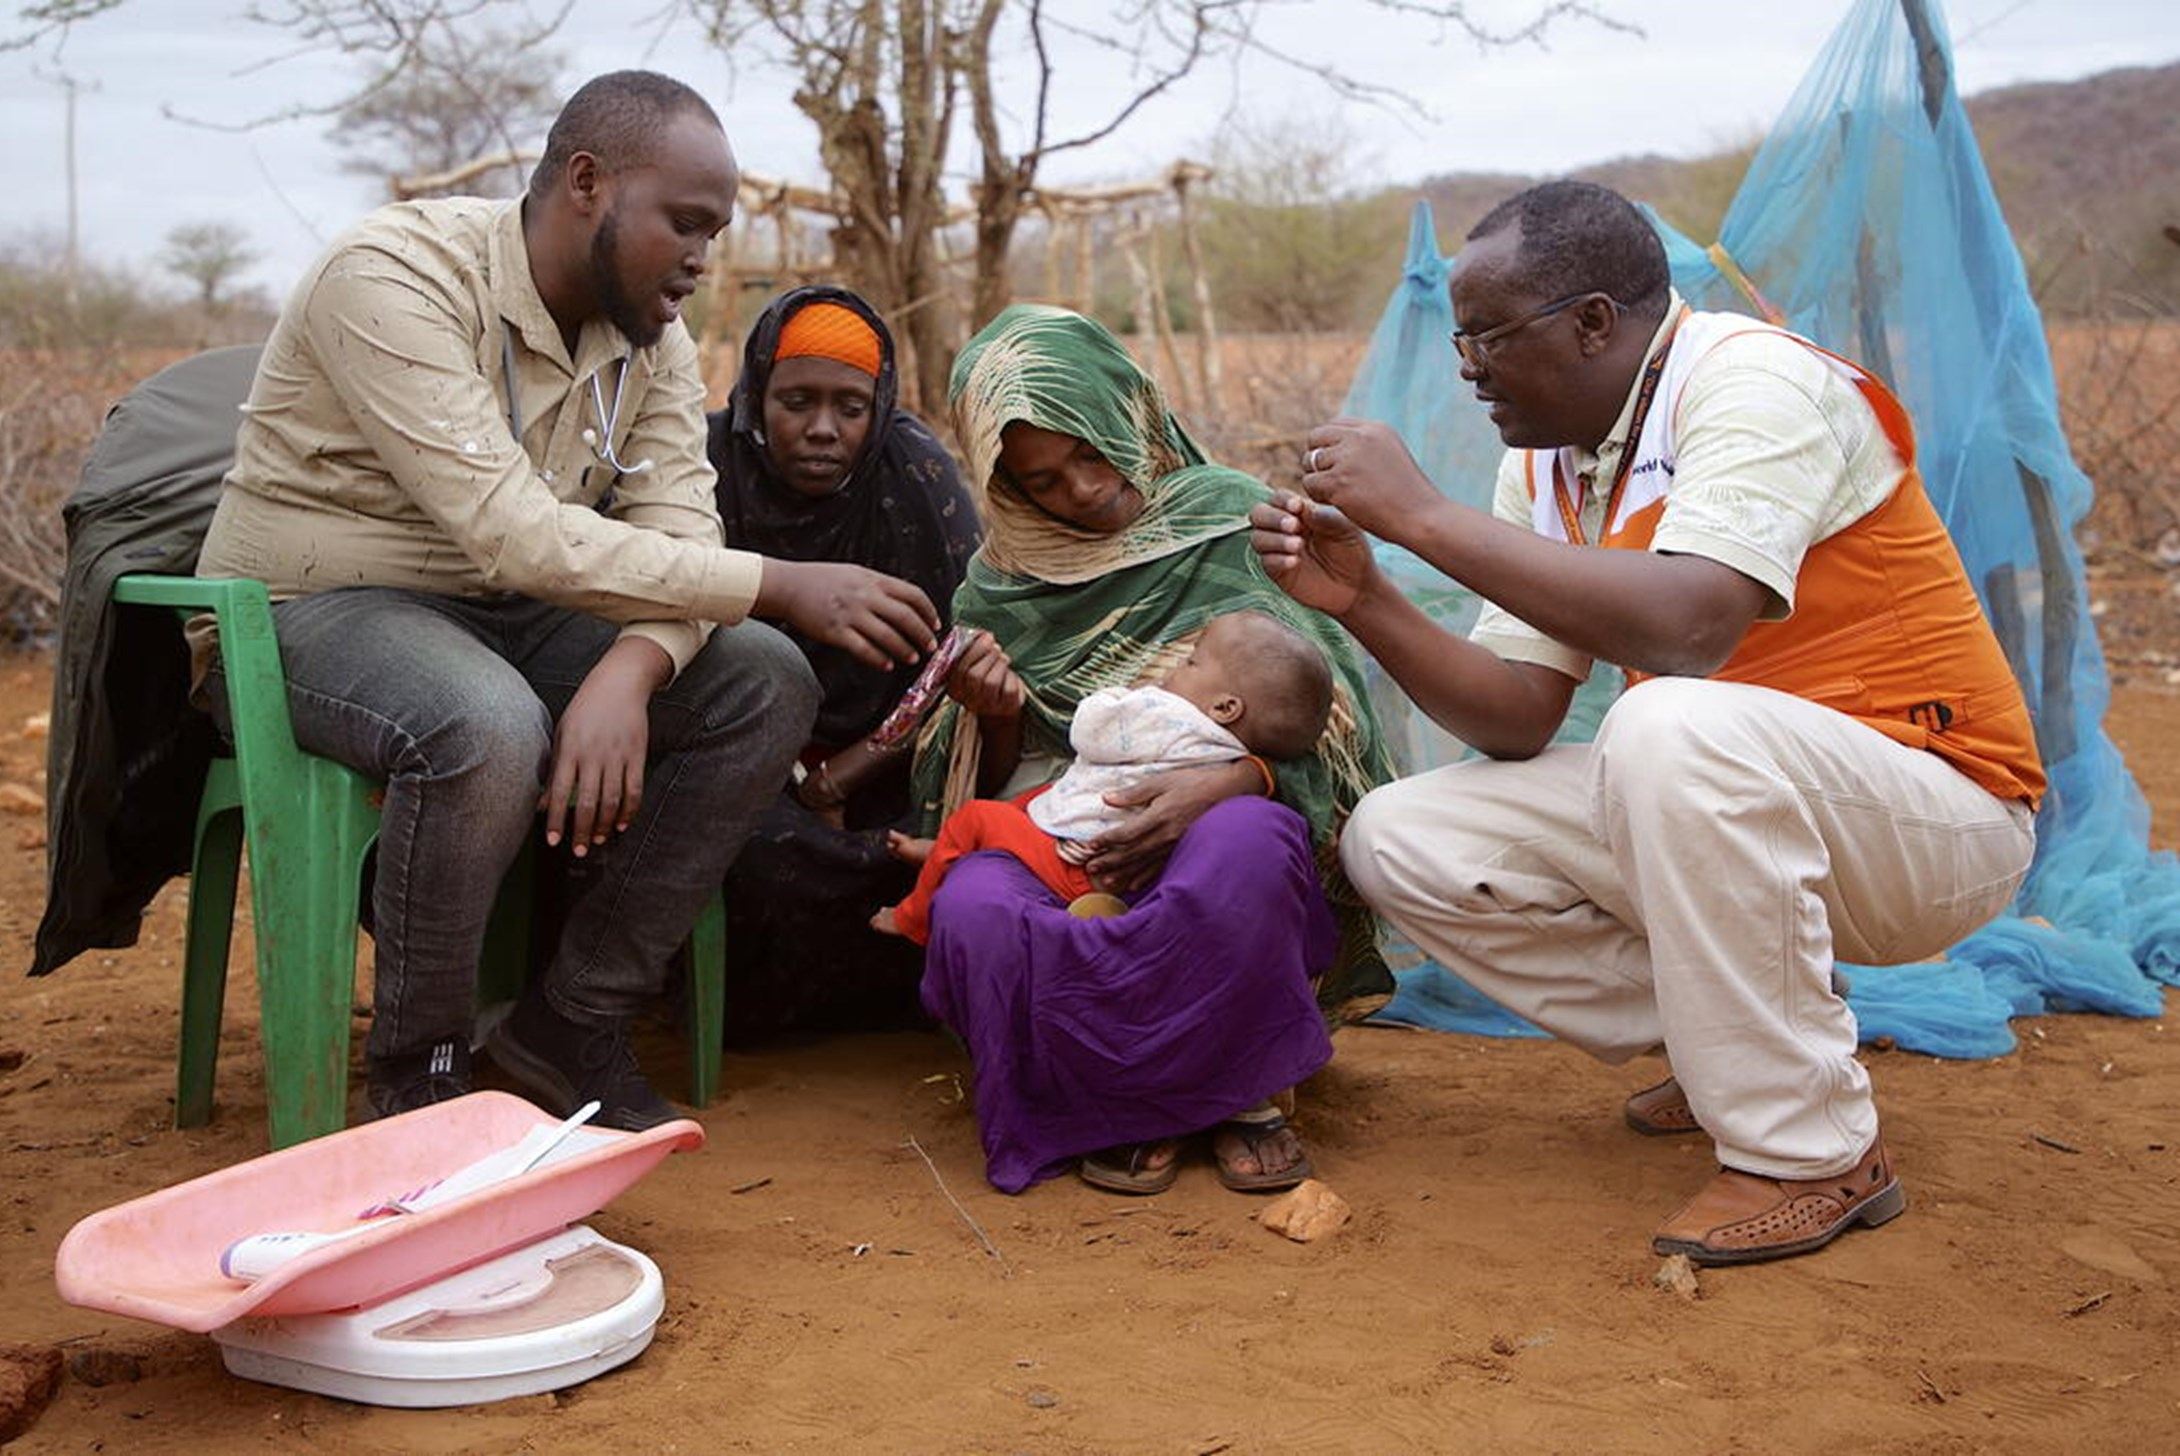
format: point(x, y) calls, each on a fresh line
point(1578, 236)
point(617, 118)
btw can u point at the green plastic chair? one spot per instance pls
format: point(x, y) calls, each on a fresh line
point(308, 823)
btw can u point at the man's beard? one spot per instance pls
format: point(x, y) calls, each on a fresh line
point(641, 328)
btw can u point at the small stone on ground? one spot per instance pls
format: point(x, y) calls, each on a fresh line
point(1306, 1212)
point(1677, 1276)
point(29, 1375)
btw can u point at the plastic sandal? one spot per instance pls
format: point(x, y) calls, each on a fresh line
point(1125, 1168)
point(1255, 1127)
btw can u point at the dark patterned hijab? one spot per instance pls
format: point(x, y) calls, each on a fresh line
point(901, 509)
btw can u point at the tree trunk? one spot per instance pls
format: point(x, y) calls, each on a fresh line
point(1207, 325)
point(998, 209)
point(1005, 181)
point(923, 319)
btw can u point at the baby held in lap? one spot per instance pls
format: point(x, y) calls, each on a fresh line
point(1251, 687)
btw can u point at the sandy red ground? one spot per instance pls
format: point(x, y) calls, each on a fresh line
point(1494, 1291)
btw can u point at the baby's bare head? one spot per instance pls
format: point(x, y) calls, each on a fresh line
point(1276, 682)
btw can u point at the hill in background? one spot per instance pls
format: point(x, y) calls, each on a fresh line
point(2088, 173)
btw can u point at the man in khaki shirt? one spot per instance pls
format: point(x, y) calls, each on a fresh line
point(472, 472)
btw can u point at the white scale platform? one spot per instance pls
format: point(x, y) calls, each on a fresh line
point(546, 1316)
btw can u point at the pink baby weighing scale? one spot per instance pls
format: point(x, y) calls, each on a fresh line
point(429, 1259)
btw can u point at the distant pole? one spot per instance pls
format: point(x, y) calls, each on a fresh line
point(71, 261)
point(68, 86)
point(1931, 65)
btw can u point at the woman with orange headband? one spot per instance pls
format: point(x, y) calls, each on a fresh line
point(817, 462)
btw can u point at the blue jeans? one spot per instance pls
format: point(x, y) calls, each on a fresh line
point(452, 702)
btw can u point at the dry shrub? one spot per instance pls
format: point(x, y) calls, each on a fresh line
point(2119, 402)
point(2119, 398)
point(2119, 395)
point(51, 404)
point(1272, 388)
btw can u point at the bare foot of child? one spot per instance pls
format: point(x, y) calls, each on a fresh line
point(883, 923)
point(906, 849)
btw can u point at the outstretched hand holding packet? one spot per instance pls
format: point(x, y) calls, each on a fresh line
point(825, 788)
point(923, 693)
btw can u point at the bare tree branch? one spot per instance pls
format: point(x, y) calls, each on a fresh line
point(53, 19)
point(406, 37)
point(454, 177)
point(1198, 40)
point(1548, 15)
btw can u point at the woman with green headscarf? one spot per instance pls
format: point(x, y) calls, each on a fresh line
point(1110, 541)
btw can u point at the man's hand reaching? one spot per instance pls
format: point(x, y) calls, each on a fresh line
point(1313, 552)
point(880, 619)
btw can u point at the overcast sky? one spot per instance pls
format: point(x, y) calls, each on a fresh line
point(1704, 74)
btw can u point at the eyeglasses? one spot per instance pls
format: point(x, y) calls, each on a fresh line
point(1475, 348)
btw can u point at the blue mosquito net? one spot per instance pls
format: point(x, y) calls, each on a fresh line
point(1867, 223)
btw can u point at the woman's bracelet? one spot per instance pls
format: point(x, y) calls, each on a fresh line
point(1271, 781)
point(827, 794)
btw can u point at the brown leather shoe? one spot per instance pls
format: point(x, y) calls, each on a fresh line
point(1661, 1111)
point(1742, 1218)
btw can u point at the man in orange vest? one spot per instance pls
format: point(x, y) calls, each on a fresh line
point(1821, 751)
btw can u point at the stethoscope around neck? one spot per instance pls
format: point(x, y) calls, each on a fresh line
point(601, 445)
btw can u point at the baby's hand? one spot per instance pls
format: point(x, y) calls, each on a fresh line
point(907, 850)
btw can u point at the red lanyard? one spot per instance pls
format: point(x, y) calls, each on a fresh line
point(1570, 514)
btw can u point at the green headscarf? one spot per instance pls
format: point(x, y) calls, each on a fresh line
point(1078, 610)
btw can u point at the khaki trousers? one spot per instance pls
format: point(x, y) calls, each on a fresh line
point(1685, 881)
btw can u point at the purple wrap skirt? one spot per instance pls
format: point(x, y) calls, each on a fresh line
point(1158, 1023)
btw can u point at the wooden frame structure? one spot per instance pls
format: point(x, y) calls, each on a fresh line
point(1076, 218)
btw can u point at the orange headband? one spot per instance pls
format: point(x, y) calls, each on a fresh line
point(829, 331)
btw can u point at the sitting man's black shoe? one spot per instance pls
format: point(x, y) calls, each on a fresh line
point(565, 1064)
point(405, 1082)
